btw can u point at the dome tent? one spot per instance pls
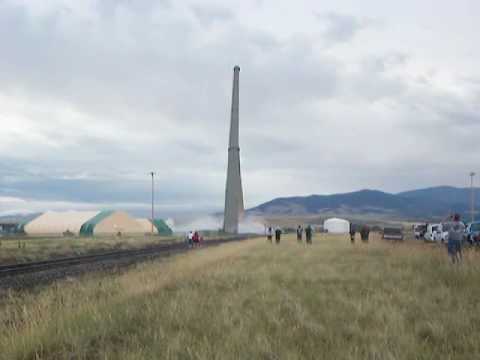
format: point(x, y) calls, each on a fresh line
point(26, 220)
point(160, 227)
point(146, 225)
point(88, 227)
point(111, 223)
point(336, 226)
point(85, 223)
point(57, 223)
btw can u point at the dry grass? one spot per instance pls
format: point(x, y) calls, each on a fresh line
point(31, 249)
point(23, 249)
point(253, 300)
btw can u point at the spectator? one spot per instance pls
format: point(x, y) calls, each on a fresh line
point(352, 233)
point(308, 234)
point(455, 238)
point(196, 238)
point(278, 234)
point(269, 233)
point(299, 233)
point(190, 238)
point(364, 233)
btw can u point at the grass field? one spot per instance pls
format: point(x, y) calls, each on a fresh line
point(254, 300)
point(23, 249)
point(31, 249)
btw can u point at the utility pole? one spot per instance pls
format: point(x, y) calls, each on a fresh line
point(153, 192)
point(472, 197)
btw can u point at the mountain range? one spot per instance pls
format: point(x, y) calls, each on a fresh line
point(422, 204)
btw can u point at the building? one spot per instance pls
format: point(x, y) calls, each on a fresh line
point(58, 223)
point(159, 227)
point(111, 223)
point(85, 223)
point(146, 225)
point(162, 227)
point(336, 226)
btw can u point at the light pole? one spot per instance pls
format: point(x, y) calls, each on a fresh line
point(472, 197)
point(153, 192)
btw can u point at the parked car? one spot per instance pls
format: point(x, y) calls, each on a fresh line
point(419, 231)
point(472, 233)
point(433, 233)
point(393, 233)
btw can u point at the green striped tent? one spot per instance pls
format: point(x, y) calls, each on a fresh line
point(24, 221)
point(162, 227)
point(88, 228)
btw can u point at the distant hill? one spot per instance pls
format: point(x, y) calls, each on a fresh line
point(443, 194)
point(430, 203)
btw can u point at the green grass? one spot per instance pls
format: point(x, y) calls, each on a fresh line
point(253, 300)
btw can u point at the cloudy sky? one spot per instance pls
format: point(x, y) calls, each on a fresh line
point(335, 96)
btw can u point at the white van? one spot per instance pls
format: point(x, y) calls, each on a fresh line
point(433, 233)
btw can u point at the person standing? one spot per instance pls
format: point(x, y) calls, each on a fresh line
point(455, 238)
point(299, 233)
point(196, 238)
point(352, 233)
point(269, 233)
point(278, 234)
point(190, 238)
point(364, 233)
point(308, 234)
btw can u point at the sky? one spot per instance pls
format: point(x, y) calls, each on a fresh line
point(335, 96)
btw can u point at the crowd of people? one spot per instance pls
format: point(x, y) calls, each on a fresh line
point(456, 231)
point(277, 232)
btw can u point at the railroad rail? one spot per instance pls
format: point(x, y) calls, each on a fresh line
point(37, 266)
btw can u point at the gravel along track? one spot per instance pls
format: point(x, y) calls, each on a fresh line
point(33, 274)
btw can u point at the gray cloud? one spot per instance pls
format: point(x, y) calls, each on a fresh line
point(92, 98)
point(340, 28)
point(208, 15)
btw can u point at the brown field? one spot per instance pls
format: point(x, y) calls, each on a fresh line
point(23, 249)
point(255, 300)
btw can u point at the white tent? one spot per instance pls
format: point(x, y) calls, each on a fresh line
point(336, 226)
point(57, 223)
point(146, 225)
point(112, 223)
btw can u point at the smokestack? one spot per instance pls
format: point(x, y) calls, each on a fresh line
point(233, 192)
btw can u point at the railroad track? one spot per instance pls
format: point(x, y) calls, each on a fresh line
point(165, 249)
